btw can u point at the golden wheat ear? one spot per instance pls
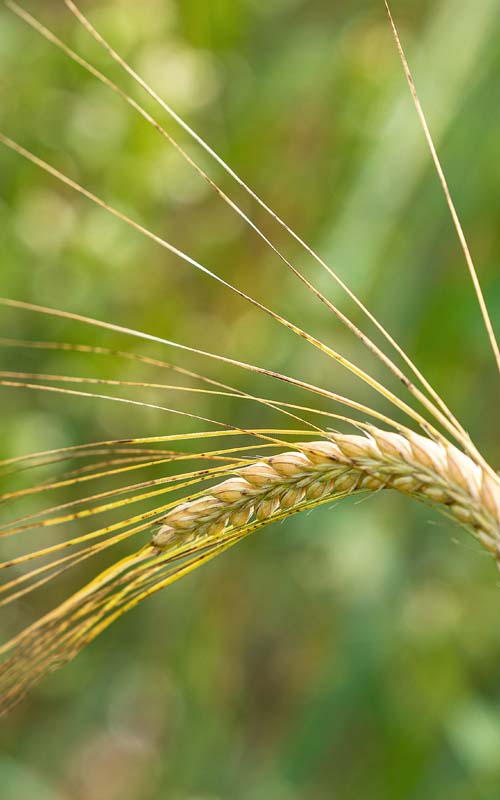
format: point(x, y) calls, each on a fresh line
point(229, 492)
point(196, 530)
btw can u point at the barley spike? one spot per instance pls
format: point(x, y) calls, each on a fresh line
point(433, 472)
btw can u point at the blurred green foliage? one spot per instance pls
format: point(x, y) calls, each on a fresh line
point(352, 653)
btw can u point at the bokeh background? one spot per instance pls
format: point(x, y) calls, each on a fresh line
point(351, 653)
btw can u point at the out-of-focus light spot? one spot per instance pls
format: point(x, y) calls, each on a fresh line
point(126, 22)
point(430, 612)
point(38, 431)
point(169, 177)
point(96, 118)
point(362, 554)
point(44, 221)
point(475, 733)
point(186, 78)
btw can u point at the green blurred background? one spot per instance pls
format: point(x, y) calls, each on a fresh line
point(351, 653)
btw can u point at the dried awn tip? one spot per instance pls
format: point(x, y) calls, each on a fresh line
point(431, 471)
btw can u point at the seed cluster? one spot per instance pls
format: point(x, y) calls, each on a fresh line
point(434, 472)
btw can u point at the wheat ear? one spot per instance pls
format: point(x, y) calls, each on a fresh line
point(433, 472)
point(272, 488)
